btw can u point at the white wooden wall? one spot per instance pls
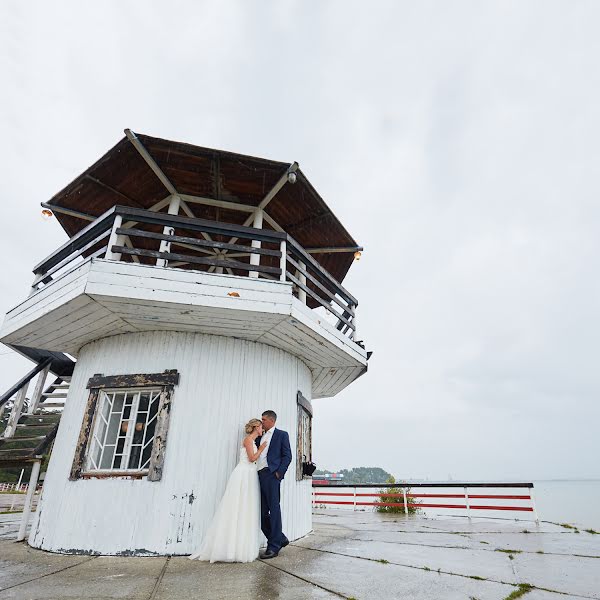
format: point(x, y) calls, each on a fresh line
point(224, 382)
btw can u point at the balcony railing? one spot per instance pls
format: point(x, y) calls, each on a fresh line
point(151, 238)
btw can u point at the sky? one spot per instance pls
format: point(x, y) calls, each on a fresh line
point(458, 142)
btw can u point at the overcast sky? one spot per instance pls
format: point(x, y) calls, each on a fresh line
point(459, 142)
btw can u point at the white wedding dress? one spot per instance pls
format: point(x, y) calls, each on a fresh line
point(234, 534)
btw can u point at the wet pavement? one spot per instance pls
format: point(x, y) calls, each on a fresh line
point(349, 555)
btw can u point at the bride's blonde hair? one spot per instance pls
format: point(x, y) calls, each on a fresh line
point(251, 424)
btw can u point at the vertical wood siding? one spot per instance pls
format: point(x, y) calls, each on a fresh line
point(224, 382)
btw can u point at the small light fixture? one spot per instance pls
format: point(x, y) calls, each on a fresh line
point(292, 177)
point(47, 214)
point(357, 255)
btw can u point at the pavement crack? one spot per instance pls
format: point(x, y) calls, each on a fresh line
point(322, 587)
point(439, 571)
point(473, 549)
point(159, 579)
point(10, 587)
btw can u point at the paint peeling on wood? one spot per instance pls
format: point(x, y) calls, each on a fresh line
point(157, 458)
point(169, 377)
point(84, 434)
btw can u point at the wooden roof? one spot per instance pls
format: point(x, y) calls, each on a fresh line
point(122, 177)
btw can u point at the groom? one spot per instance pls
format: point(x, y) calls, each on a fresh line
point(272, 465)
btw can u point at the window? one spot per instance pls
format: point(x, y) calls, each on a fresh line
point(124, 430)
point(304, 440)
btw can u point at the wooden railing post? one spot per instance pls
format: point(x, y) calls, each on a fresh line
point(302, 279)
point(467, 503)
point(114, 240)
point(257, 224)
point(535, 514)
point(38, 391)
point(33, 480)
point(283, 260)
point(405, 501)
point(15, 413)
point(165, 246)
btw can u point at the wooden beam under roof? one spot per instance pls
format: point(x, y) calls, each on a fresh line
point(150, 161)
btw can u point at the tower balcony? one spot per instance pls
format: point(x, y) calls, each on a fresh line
point(134, 270)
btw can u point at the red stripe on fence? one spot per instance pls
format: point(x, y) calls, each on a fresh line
point(423, 505)
point(480, 496)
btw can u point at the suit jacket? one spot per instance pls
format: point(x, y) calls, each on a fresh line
point(279, 455)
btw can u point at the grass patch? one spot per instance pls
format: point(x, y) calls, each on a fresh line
point(567, 525)
point(592, 531)
point(485, 543)
point(525, 531)
point(508, 551)
point(10, 512)
point(540, 552)
point(426, 569)
point(524, 588)
point(13, 493)
point(477, 578)
point(383, 561)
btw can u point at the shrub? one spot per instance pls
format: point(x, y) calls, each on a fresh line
point(385, 497)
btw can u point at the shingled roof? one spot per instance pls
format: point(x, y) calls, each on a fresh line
point(122, 176)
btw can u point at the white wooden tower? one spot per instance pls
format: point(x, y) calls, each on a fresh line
point(198, 288)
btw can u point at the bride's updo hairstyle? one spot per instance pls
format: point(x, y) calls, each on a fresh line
point(251, 424)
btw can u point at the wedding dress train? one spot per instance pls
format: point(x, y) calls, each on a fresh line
point(234, 534)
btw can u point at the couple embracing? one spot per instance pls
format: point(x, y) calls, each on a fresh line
point(251, 499)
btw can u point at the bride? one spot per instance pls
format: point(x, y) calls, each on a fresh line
point(234, 534)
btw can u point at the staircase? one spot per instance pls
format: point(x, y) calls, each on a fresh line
point(34, 417)
point(33, 421)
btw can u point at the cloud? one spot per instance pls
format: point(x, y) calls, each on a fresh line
point(457, 142)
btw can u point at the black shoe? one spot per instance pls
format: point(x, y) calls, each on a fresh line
point(285, 542)
point(269, 554)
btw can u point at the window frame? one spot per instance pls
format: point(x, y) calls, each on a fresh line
point(165, 382)
point(304, 412)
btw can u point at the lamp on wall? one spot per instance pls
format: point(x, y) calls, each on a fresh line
point(47, 214)
point(357, 255)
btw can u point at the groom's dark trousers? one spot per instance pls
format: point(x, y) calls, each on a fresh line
point(279, 457)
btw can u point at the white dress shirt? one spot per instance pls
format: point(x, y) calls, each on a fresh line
point(261, 463)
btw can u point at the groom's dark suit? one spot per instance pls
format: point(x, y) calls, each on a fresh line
point(279, 458)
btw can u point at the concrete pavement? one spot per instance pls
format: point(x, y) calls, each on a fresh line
point(349, 555)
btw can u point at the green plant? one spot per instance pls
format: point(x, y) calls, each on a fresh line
point(523, 589)
point(394, 495)
point(592, 531)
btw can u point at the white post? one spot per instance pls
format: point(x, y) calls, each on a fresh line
point(35, 473)
point(467, 503)
point(302, 279)
point(37, 392)
point(257, 224)
point(354, 323)
point(283, 260)
point(165, 246)
point(15, 413)
point(354, 506)
point(405, 501)
point(535, 515)
point(17, 489)
point(114, 240)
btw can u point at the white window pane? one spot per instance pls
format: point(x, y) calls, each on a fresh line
point(113, 429)
point(118, 402)
point(107, 457)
